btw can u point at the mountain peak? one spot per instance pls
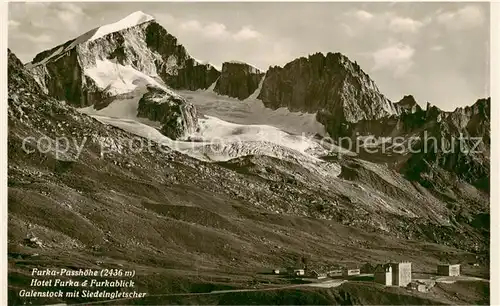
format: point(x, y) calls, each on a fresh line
point(238, 80)
point(407, 104)
point(330, 85)
point(129, 21)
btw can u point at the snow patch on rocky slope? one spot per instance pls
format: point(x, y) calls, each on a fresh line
point(116, 79)
point(253, 111)
point(137, 42)
point(219, 140)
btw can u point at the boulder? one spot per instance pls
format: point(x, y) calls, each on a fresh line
point(178, 117)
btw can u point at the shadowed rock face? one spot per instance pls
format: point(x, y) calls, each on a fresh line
point(63, 79)
point(18, 77)
point(59, 73)
point(178, 118)
point(189, 74)
point(458, 143)
point(331, 86)
point(238, 80)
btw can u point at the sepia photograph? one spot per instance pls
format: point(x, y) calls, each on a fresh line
point(248, 153)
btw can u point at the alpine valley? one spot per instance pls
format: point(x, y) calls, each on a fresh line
point(242, 173)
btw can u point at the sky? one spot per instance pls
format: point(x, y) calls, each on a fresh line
point(437, 52)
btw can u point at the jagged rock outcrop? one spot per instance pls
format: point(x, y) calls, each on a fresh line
point(112, 59)
point(178, 118)
point(407, 105)
point(238, 80)
point(177, 68)
point(431, 146)
point(331, 86)
point(18, 77)
point(455, 145)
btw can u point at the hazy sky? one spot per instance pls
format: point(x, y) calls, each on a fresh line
point(438, 52)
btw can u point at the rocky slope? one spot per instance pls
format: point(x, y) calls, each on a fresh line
point(368, 195)
point(236, 207)
point(349, 104)
point(238, 80)
point(108, 60)
point(184, 224)
point(456, 143)
point(331, 86)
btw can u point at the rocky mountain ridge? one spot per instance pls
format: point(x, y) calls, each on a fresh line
point(178, 218)
point(136, 56)
point(407, 104)
point(78, 72)
point(368, 196)
point(331, 86)
point(458, 142)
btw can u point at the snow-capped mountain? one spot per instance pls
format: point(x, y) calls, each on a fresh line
point(132, 69)
point(125, 60)
point(115, 59)
point(462, 145)
point(187, 173)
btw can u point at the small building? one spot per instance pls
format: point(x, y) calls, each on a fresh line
point(318, 275)
point(350, 271)
point(419, 286)
point(334, 273)
point(383, 274)
point(299, 272)
point(276, 271)
point(448, 270)
point(367, 268)
point(401, 273)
